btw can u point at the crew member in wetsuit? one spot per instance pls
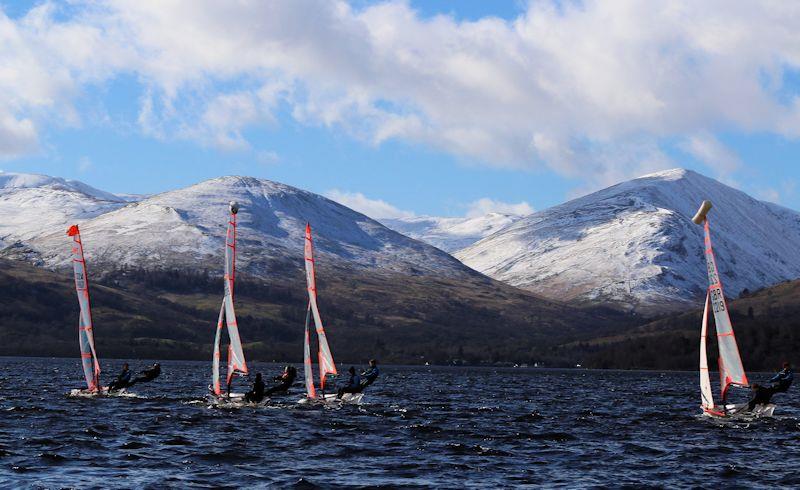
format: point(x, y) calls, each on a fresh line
point(257, 393)
point(285, 381)
point(781, 383)
point(353, 384)
point(370, 375)
point(147, 375)
point(122, 381)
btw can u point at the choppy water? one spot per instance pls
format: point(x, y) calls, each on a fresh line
point(425, 427)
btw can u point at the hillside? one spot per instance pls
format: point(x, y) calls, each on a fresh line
point(767, 326)
point(185, 228)
point(171, 314)
point(32, 205)
point(633, 245)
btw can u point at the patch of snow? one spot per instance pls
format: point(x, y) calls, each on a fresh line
point(450, 234)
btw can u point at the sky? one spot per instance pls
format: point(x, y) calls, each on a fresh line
point(404, 108)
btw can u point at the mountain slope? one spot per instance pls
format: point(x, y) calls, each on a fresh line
point(186, 228)
point(766, 322)
point(450, 234)
point(633, 245)
point(32, 205)
point(397, 318)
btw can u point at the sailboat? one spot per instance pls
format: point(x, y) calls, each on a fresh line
point(326, 364)
point(227, 316)
point(89, 361)
point(731, 369)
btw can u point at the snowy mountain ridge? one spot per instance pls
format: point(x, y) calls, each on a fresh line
point(634, 245)
point(33, 204)
point(451, 233)
point(186, 228)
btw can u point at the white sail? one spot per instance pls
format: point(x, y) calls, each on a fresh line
point(705, 380)
point(89, 361)
point(730, 360)
point(326, 364)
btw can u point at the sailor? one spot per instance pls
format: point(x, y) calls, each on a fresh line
point(783, 379)
point(762, 395)
point(371, 374)
point(285, 381)
point(353, 384)
point(257, 393)
point(147, 375)
point(123, 380)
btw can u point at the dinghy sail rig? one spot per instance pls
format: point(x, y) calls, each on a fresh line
point(91, 366)
point(236, 361)
point(731, 370)
point(326, 364)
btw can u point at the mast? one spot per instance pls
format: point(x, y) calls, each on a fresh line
point(326, 364)
point(89, 361)
point(731, 369)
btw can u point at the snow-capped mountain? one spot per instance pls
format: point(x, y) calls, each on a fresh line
point(186, 228)
point(32, 205)
point(450, 234)
point(634, 244)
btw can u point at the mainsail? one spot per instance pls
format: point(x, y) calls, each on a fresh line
point(236, 360)
point(730, 362)
point(326, 364)
point(91, 366)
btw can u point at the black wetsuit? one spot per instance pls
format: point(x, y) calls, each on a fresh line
point(147, 375)
point(353, 386)
point(286, 381)
point(122, 381)
point(370, 375)
point(783, 380)
point(257, 393)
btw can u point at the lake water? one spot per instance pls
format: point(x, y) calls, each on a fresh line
point(418, 427)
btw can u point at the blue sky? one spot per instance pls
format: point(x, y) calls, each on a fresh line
point(426, 106)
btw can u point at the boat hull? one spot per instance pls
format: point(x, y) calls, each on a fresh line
point(740, 411)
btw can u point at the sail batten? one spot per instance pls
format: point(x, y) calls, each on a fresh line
point(89, 361)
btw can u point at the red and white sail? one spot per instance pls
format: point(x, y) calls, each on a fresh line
point(311, 392)
point(89, 361)
point(236, 360)
point(732, 370)
point(326, 364)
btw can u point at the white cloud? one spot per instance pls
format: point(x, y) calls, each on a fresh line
point(485, 206)
point(374, 208)
point(84, 164)
point(709, 150)
point(590, 89)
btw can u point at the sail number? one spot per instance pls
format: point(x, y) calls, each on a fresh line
point(712, 271)
point(717, 300)
point(80, 282)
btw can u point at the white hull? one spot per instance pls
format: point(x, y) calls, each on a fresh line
point(331, 399)
point(84, 393)
point(234, 400)
point(740, 411)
